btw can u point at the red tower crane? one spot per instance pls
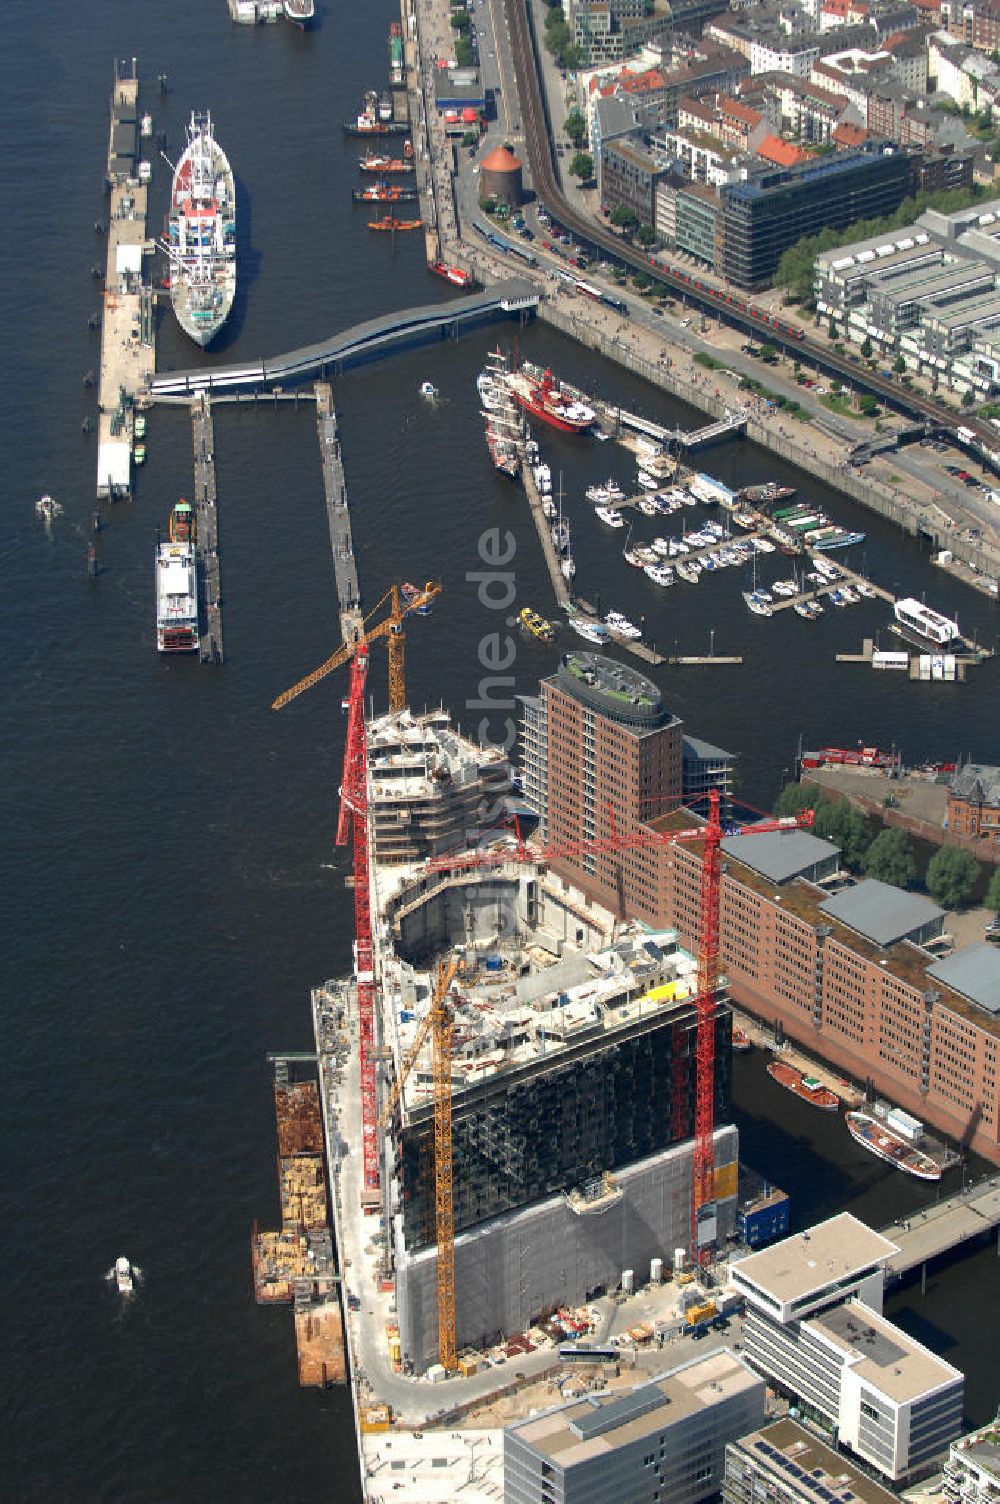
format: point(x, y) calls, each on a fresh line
point(645, 838)
point(353, 817)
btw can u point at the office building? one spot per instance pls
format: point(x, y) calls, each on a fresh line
point(927, 291)
point(629, 177)
point(663, 1442)
point(761, 219)
point(814, 1330)
point(786, 1464)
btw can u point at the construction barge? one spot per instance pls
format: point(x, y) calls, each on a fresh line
point(295, 1265)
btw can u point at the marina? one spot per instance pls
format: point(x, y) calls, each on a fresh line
point(128, 354)
point(207, 530)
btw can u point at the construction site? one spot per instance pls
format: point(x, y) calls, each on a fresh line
point(525, 1092)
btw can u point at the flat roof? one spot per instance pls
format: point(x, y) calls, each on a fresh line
point(576, 1433)
point(612, 688)
point(930, 281)
point(969, 310)
point(819, 1466)
point(881, 912)
point(883, 1354)
point(974, 971)
point(780, 854)
point(826, 1254)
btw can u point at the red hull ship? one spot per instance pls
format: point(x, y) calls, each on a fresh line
point(807, 1088)
point(544, 398)
point(453, 274)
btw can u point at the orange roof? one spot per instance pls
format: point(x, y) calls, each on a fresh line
point(732, 109)
point(846, 134)
point(642, 83)
point(783, 153)
point(501, 160)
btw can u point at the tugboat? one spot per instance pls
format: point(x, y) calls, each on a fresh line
point(391, 223)
point(181, 525)
point(807, 1088)
point(452, 274)
point(384, 193)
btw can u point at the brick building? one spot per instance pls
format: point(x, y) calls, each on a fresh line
point(599, 739)
point(974, 802)
point(847, 976)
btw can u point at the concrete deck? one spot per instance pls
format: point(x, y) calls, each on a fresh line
point(207, 530)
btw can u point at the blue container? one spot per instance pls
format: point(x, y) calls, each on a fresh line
point(764, 1220)
point(494, 963)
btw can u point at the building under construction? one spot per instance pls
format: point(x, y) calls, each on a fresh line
point(572, 1061)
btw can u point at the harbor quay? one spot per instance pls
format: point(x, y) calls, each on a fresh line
point(128, 354)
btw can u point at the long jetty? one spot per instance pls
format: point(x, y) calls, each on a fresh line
point(128, 355)
point(338, 515)
point(207, 530)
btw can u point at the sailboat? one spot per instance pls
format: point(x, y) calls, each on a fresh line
point(756, 600)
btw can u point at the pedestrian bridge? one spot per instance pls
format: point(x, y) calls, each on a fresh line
point(361, 342)
point(970, 1213)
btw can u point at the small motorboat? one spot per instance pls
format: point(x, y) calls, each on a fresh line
point(47, 508)
point(428, 389)
point(125, 1275)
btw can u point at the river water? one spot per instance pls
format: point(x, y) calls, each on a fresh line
point(171, 887)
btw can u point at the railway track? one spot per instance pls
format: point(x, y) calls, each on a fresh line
point(741, 315)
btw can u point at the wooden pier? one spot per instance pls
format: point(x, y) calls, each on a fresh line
point(550, 554)
point(128, 354)
point(207, 530)
point(338, 515)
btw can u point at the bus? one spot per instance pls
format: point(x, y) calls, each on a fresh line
point(615, 303)
point(572, 1352)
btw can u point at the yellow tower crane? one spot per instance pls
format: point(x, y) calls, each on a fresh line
point(438, 1022)
point(391, 628)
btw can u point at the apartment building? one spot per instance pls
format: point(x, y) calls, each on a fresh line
point(599, 738)
point(786, 1464)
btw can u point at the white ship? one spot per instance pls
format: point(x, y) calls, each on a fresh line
point(922, 622)
point(201, 234)
point(176, 598)
point(124, 1274)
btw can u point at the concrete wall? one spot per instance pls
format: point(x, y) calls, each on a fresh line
point(514, 1268)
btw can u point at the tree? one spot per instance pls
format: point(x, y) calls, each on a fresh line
point(624, 218)
point(642, 280)
point(834, 331)
point(967, 399)
point(952, 873)
point(846, 827)
point(890, 859)
point(471, 138)
point(992, 899)
point(463, 52)
point(768, 354)
point(866, 348)
point(795, 797)
point(867, 406)
point(582, 166)
point(899, 365)
point(460, 20)
point(575, 127)
point(646, 235)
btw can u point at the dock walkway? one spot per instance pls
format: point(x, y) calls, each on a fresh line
point(128, 354)
point(207, 530)
point(969, 1213)
point(339, 517)
point(513, 298)
point(617, 418)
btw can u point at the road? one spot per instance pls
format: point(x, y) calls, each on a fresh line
point(752, 319)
